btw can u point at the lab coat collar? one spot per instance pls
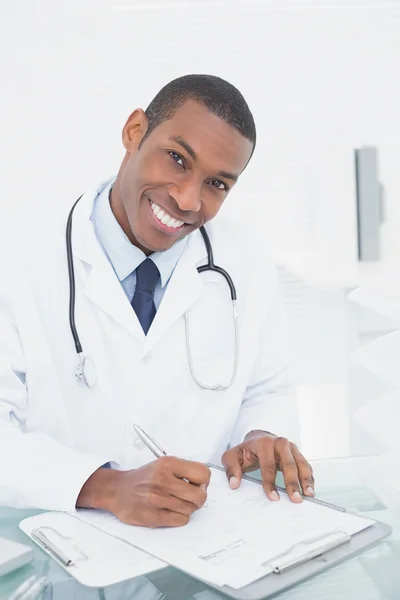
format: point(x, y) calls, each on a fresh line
point(184, 289)
point(104, 289)
point(124, 257)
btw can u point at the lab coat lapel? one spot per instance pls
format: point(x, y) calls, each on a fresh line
point(102, 286)
point(184, 289)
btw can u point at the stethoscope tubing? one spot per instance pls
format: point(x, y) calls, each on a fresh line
point(210, 266)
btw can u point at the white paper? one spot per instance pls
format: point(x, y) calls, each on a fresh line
point(109, 560)
point(381, 358)
point(235, 539)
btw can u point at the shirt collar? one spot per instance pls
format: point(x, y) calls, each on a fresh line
point(122, 254)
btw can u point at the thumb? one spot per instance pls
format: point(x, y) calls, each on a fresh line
point(231, 462)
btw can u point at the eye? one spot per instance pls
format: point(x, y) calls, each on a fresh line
point(176, 157)
point(220, 185)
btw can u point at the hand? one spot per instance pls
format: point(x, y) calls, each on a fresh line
point(154, 495)
point(269, 453)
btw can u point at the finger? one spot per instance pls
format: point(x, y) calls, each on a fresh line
point(305, 472)
point(195, 472)
point(174, 504)
point(288, 467)
point(163, 517)
point(233, 467)
point(268, 468)
point(194, 494)
point(153, 517)
point(169, 518)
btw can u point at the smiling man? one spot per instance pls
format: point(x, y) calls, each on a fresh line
point(175, 183)
point(135, 268)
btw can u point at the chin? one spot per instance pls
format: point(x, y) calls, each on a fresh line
point(149, 244)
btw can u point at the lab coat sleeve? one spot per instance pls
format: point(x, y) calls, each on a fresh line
point(269, 402)
point(36, 471)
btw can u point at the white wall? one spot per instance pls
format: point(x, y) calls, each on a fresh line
point(321, 77)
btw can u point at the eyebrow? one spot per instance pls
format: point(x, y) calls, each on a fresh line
point(227, 175)
point(186, 146)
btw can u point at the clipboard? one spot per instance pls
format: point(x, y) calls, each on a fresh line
point(69, 549)
point(330, 553)
point(100, 562)
point(275, 584)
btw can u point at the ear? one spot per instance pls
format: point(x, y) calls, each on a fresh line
point(134, 130)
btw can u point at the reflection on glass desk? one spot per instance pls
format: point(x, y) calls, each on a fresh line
point(374, 575)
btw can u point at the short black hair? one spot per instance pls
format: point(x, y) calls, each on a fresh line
point(219, 96)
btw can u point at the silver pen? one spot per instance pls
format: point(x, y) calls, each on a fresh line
point(151, 444)
point(154, 447)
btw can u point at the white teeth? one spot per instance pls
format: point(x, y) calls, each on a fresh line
point(164, 217)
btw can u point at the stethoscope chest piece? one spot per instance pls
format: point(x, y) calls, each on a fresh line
point(86, 372)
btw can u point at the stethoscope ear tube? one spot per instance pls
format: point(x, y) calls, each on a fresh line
point(210, 266)
point(71, 274)
point(85, 372)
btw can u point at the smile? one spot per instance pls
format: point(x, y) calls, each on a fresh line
point(164, 217)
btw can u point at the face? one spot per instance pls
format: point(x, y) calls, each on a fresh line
point(178, 178)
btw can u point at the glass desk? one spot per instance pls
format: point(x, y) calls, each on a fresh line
point(374, 575)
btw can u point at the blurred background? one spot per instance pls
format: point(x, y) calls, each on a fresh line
point(322, 80)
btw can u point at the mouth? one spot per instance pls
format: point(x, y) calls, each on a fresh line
point(163, 220)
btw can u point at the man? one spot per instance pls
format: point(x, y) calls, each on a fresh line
point(136, 248)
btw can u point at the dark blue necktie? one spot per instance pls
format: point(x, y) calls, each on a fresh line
point(147, 276)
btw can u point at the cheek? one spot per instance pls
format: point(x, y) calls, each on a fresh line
point(155, 170)
point(130, 177)
point(211, 203)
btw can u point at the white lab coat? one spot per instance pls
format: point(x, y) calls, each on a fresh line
point(54, 433)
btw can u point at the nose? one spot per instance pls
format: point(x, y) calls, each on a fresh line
point(187, 195)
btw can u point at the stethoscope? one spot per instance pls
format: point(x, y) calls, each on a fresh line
point(86, 371)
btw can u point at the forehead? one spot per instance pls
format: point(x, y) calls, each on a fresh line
point(213, 140)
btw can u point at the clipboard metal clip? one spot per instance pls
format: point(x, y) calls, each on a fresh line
point(327, 541)
point(47, 544)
